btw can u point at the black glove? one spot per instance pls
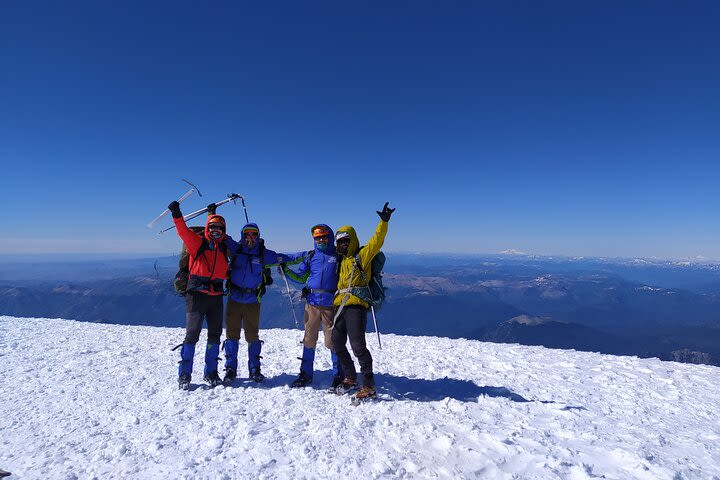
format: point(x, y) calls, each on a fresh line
point(305, 291)
point(174, 208)
point(211, 209)
point(386, 212)
point(283, 266)
point(267, 276)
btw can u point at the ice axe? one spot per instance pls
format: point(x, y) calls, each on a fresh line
point(193, 188)
point(232, 197)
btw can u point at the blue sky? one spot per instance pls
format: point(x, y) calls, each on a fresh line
point(546, 127)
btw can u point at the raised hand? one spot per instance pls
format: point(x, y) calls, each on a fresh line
point(174, 208)
point(386, 212)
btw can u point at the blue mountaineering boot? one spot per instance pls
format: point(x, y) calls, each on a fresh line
point(306, 368)
point(187, 352)
point(231, 360)
point(254, 357)
point(211, 361)
point(338, 374)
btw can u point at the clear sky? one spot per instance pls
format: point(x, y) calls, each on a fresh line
point(578, 128)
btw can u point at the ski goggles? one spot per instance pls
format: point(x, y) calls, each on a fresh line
point(250, 233)
point(216, 226)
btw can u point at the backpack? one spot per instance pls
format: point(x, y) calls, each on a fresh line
point(374, 293)
point(181, 277)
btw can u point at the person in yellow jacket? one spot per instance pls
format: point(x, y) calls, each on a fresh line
point(351, 314)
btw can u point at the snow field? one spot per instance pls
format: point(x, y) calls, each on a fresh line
point(82, 400)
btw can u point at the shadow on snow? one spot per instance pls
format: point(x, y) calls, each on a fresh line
point(403, 388)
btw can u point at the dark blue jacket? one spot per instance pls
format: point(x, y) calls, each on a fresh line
point(318, 270)
point(246, 268)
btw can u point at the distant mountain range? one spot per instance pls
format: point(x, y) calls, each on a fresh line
point(670, 310)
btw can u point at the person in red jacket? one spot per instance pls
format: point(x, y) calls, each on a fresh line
point(204, 295)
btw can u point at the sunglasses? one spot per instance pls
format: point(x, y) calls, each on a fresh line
point(215, 226)
point(250, 234)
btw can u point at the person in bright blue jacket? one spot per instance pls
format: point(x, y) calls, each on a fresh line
point(318, 271)
point(248, 275)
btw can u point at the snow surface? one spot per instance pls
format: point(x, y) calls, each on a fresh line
point(82, 400)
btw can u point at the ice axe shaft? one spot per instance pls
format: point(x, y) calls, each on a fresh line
point(242, 200)
point(180, 200)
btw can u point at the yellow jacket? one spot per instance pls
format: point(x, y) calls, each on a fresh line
point(366, 255)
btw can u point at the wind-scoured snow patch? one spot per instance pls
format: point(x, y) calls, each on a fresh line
point(82, 400)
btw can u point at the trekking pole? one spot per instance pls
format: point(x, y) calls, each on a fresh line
point(377, 331)
point(231, 197)
point(292, 307)
point(180, 200)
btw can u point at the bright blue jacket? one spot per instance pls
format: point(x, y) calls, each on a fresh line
point(246, 268)
point(318, 269)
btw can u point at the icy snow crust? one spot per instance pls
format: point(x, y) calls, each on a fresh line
point(82, 400)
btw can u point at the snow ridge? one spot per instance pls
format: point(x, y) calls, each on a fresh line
point(82, 400)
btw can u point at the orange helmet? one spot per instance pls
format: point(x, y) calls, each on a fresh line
point(320, 231)
point(216, 219)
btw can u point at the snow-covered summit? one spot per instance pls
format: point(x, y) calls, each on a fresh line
point(82, 400)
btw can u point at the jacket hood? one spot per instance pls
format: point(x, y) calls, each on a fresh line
point(249, 225)
point(214, 219)
point(331, 244)
point(256, 248)
point(354, 246)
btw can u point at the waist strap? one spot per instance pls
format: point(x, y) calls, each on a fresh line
point(320, 290)
point(243, 289)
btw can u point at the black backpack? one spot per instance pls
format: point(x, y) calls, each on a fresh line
point(374, 291)
point(181, 277)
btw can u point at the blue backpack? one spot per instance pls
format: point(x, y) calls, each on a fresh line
point(374, 291)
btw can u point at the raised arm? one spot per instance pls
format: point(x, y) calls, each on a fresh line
point(191, 239)
point(375, 243)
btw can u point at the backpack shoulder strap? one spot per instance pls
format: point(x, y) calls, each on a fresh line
point(204, 245)
point(358, 265)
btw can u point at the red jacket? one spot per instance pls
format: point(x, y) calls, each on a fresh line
point(208, 270)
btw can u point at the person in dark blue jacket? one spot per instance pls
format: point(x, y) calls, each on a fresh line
point(318, 270)
point(248, 276)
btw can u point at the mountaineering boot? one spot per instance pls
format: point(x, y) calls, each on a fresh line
point(346, 386)
point(230, 375)
point(306, 368)
point(213, 379)
point(211, 360)
point(254, 349)
point(231, 360)
point(187, 352)
point(184, 382)
point(366, 392)
point(301, 381)
point(338, 374)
